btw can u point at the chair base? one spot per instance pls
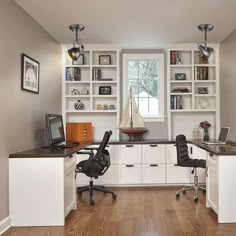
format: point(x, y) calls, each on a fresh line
point(195, 186)
point(91, 188)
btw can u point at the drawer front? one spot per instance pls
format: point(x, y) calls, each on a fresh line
point(129, 174)
point(212, 159)
point(110, 177)
point(177, 174)
point(153, 173)
point(171, 154)
point(154, 153)
point(129, 154)
point(69, 162)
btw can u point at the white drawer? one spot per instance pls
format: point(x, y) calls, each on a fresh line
point(69, 162)
point(110, 176)
point(153, 173)
point(177, 174)
point(129, 174)
point(129, 154)
point(154, 153)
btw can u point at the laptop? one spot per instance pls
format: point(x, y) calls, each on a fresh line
point(224, 132)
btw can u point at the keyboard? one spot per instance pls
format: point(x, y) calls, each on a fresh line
point(69, 145)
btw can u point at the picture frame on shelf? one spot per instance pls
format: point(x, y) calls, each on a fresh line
point(104, 90)
point(29, 74)
point(80, 60)
point(202, 90)
point(112, 107)
point(105, 107)
point(104, 59)
point(180, 76)
point(99, 107)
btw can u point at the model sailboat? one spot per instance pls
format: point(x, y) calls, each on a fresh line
point(132, 122)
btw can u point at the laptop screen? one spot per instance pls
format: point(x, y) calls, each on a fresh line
point(223, 134)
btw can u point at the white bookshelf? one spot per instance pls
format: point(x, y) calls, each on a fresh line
point(187, 109)
point(103, 119)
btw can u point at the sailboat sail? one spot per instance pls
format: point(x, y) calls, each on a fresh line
point(132, 117)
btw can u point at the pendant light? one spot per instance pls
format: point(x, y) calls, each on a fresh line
point(204, 50)
point(78, 48)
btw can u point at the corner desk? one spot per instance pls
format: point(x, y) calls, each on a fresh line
point(42, 188)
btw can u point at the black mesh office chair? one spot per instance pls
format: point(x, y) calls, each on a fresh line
point(96, 165)
point(184, 160)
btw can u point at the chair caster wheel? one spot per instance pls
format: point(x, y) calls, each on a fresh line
point(80, 194)
point(114, 196)
point(177, 195)
point(92, 202)
point(184, 192)
point(195, 199)
point(204, 190)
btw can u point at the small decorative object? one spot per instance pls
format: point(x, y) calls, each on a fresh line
point(104, 59)
point(180, 90)
point(205, 125)
point(112, 107)
point(75, 92)
point(196, 134)
point(104, 90)
point(29, 74)
point(202, 90)
point(84, 91)
point(99, 107)
point(180, 76)
point(79, 105)
point(105, 107)
point(203, 60)
point(203, 103)
point(79, 61)
point(178, 57)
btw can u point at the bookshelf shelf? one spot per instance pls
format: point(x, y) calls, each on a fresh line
point(201, 102)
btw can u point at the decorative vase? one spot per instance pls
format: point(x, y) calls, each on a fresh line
point(79, 105)
point(206, 135)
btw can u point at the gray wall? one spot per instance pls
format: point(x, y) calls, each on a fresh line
point(22, 113)
point(228, 84)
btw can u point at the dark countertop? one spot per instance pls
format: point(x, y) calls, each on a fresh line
point(48, 152)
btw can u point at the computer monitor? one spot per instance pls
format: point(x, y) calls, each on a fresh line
point(55, 128)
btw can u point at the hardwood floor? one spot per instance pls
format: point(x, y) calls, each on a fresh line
point(150, 211)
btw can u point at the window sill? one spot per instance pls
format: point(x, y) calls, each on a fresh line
point(154, 119)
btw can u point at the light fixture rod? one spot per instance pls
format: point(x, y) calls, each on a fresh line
point(77, 28)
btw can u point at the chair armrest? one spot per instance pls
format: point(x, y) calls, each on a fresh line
point(81, 152)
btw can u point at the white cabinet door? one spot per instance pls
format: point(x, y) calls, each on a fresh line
point(153, 153)
point(129, 154)
point(153, 173)
point(129, 174)
point(171, 155)
point(69, 190)
point(212, 182)
point(177, 174)
point(110, 176)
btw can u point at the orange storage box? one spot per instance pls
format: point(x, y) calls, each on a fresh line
point(81, 132)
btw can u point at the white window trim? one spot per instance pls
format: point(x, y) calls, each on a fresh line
point(125, 93)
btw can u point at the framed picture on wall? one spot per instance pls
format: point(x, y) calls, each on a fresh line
point(29, 74)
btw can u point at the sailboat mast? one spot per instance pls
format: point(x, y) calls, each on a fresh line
point(131, 109)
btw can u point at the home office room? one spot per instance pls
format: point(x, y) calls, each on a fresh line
point(118, 118)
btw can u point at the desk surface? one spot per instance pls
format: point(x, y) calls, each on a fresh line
point(48, 152)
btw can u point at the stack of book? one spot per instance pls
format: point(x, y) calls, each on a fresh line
point(175, 57)
point(97, 74)
point(200, 73)
point(73, 74)
point(176, 102)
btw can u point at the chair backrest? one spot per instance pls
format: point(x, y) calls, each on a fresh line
point(102, 157)
point(181, 148)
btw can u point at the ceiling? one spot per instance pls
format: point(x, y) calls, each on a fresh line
point(134, 23)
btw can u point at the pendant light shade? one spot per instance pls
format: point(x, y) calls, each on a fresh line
point(78, 48)
point(204, 50)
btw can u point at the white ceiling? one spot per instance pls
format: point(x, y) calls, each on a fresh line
point(134, 23)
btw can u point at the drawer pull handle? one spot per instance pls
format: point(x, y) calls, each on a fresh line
point(70, 156)
point(153, 145)
point(129, 165)
point(129, 145)
point(152, 165)
point(211, 154)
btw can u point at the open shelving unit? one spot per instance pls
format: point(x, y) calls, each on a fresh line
point(192, 90)
point(103, 110)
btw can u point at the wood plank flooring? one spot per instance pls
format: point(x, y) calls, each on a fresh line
point(139, 211)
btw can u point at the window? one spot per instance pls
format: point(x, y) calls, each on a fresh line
point(145, 74)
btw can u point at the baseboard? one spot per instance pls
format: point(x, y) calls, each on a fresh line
point(5, 224)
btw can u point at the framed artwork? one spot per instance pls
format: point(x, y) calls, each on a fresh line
point(29, 74)
point(203, 90)
point(104, 59)
point(104, 90)
point(180, 76)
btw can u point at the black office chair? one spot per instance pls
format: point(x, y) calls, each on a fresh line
point(96, 165)
point(184, 160)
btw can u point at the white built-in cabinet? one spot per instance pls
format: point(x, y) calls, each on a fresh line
point(145, 164)
point(95, 82)
point(192, 90)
